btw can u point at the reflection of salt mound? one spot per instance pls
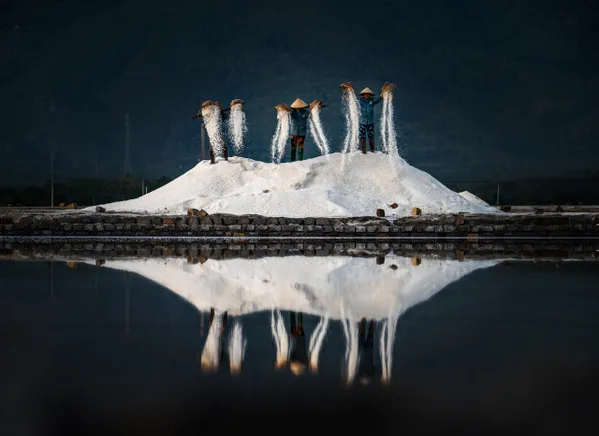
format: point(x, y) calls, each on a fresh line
point(338, 287)
point(314, 187)
point(473, 198)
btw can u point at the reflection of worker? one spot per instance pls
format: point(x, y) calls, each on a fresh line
point(213, 351)
point(224, 113)
point(298, 356)
point(366, 351)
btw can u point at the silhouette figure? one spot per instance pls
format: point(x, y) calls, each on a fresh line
point(366, 352)
point(213, 351)
point(298, 355)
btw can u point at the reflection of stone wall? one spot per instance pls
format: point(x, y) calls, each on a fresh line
point(108, 224)
point(199, 252)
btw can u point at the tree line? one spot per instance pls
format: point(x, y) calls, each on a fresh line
point(91, 191)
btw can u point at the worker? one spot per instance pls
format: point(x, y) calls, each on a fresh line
point(224, 115)
point(299, 111)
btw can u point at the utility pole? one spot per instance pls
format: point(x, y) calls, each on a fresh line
point(52, 176)
point(203, 156)
point(142, 186)
point(127, 165)
point(498, 194)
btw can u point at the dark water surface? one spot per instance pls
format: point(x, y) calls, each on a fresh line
point(125, 348)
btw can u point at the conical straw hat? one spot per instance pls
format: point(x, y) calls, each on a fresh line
point(236, 101)
point(366, 90)
point(299, 104)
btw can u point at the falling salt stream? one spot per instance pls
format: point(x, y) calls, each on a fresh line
point(316, 342)
point(351, 111)
point(213, 122)
point(279, 139)
point(388, 133)
point(317, 131)
point(237, 127)
point(279, 334)
point(237, 346)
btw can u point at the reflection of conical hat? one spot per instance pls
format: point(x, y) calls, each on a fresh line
point(299, 104)
point(366, 90)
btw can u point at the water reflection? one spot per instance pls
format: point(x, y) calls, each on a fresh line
point(366, 297)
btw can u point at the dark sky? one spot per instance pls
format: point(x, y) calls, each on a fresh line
point(486, 89)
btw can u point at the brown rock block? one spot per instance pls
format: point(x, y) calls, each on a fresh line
point(380, 213)
point(416, 211)
point(394, 206)
point(416, 261)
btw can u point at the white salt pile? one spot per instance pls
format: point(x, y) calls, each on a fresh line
point(318, 187)
point(474, 199)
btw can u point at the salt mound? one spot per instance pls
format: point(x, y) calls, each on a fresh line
point(473, 198)
point(333, 185)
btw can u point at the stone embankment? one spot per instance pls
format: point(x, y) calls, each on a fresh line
point(198, 252)
point(470, 226)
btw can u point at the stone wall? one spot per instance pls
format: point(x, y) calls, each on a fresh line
point(196, 252)
point(443, 226)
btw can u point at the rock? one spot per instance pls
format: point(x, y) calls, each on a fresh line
point(72, 206)
point(202, 212)
point(72, 264)
point(380, 260)
point(539, 210)
point(266, 191)
point(100, 262)
point(380, 212)
point(60, 205)
point(416, 211)
point(192, 212)
point(505, 208)
point(100, 209)
point(559, 209)
point(394, 206)
point(460, 220)
point(416, 261)
point(394, 267)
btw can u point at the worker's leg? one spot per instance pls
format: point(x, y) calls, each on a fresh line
point(292, 326)
point(300, 147)
point(225, 151)
point(293, 147)
point(363, 138)
point(370, 131)
point(212, 158)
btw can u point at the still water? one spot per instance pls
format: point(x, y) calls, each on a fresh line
point(298, 345)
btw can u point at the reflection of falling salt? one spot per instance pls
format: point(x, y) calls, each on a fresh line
point(277, 146)
point(317, 131)
point(237, 127)
point(316, 342)
point(211, 354)
point(386, 347)
point(237, 345)
point(279, 334)
point(351, 352)
point(213, 122)
point(351, 111)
